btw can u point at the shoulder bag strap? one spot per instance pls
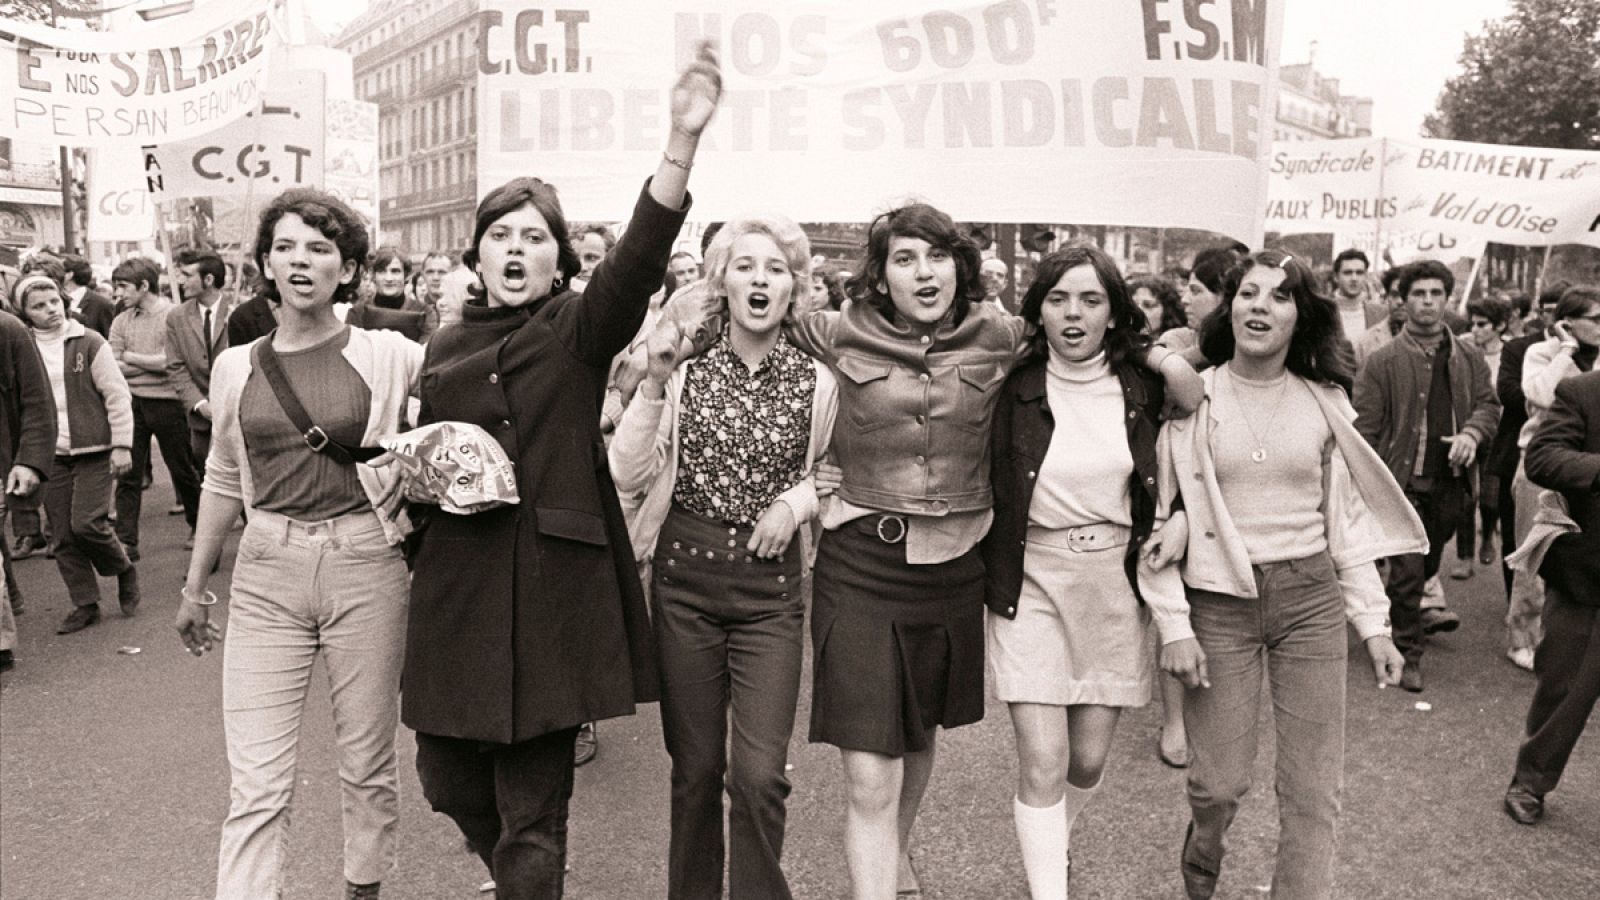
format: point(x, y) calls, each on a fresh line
point(315, 438)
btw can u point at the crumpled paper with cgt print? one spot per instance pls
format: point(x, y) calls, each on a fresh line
point(456, 465)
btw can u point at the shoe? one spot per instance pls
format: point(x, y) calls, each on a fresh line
point(176, 509)
point(1486, 553)
point(1438, 621)
point(188, 542)
point(128, 590)
point(1463, 569)
point(7, 661)
point(1177, 760)
point(587, 747)
point(1198, 883)
point(1521, 657)
point(80, 618)
point(27, 545)
point(354, 891)
point(1411, 677)
point(1524, 806)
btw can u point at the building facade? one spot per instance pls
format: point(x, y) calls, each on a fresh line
point(1310, 107)
point(30, 196)
point(417, 60)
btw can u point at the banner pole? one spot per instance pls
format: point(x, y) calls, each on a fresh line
point(1538, 282)
point(165, 243)
point(1383, 165)
point(1472, 279)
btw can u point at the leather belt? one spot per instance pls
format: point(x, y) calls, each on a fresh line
point(1083, 538)
point(889, 527)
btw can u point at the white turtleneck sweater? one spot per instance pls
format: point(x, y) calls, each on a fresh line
point(52, 346)
point(1084, 477)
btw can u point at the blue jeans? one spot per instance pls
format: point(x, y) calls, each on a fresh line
point(1294, 632)
point(337, 588)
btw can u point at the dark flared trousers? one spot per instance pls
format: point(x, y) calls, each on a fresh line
point(1440, 509)
point(76, 497)
point(165, 420)
point(730, 628)
point(1567, 665)
point(510, 802)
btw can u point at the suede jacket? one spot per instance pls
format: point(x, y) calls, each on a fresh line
point(912, 435)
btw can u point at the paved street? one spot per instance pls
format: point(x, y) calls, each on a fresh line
point(115, 780)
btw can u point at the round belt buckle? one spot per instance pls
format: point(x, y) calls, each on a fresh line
point(899, 535)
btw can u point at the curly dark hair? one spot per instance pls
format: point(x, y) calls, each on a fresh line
point(327, 214)
point(1125, 334)
point(1164, 290)
point(917, 220)
point(1315, 351)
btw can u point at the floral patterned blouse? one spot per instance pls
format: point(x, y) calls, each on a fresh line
point(742, 435)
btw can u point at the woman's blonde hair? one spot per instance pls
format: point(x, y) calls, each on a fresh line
point(791, 240)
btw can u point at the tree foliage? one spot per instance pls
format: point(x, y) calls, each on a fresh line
point(1531, 79)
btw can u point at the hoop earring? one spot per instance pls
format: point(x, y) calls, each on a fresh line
point(558, 284)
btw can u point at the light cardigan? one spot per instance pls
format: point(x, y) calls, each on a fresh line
point(387, 361)
point(1546, 365)
point(1367, 514)
point(644, 458)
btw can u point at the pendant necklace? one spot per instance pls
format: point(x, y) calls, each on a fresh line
point(1259, 454)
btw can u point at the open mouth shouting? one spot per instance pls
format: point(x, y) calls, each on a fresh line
point(301, 283)
point(758, 302)
point(928, 296)
point(1256, 326)
point(514, 276)
point(1074, 334)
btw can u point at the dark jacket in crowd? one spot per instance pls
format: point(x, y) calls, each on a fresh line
point(1564, 456)
point(250, 320)
point(27, 403)
point(1023, 426)
point(96, 312)
point(529, 619)
point(1503, 454)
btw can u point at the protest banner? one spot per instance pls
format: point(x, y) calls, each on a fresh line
point(350, 169)
point(1110, 112)
point(175, 78)
point(1468, 193)
point(270, 149)
point(120, 208)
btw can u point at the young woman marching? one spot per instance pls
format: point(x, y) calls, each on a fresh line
point(721, 448)
point(1075, 553)
point(319, 569)
point(529, 620)
point(1286, 508)
point(897, 614)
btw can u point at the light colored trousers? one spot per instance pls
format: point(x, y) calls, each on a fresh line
point(1293, 632)
point(1524, 615)
point(300, 588)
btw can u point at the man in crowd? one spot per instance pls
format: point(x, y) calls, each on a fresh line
point(1358, 309)
point(435, 266)
point(139, 344)
point(996, 275)
point(94, 309)
point(197, 330)
point(1564, 456)
point(1425, 402)
point(27, 444)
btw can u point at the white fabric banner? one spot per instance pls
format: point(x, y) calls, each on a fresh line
point(120, 208)
point(273, 148)
point(1103, 111)
point(1469, 193)
point(175, 78)
point(350, 171)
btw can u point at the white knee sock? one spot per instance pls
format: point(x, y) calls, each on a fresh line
point(1043, 836)
point(1075, 800)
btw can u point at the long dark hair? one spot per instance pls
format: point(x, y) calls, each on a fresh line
point(1167, 294)
point(1125, 335)
point(1314, 349)
point(512, 195)
point(327, 214)
point(917, 220)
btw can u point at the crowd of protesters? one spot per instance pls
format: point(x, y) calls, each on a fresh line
point(1130, 488)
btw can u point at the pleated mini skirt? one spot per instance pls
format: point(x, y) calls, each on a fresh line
point(897, 648)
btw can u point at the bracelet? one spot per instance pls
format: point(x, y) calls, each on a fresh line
point(209, 601)
point(674, 161)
